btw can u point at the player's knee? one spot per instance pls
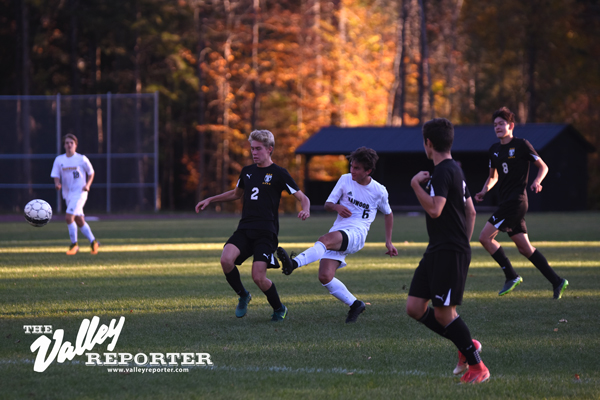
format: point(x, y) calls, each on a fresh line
point(483, 239)
point(325, 277)
point(413, 312)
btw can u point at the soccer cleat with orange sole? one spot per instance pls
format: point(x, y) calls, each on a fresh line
point(94, 245)
point(73, 249)
point(462, 364)
point(477, 373)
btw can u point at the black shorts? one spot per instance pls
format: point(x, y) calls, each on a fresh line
point(441, 277)
point(259, 243)
point(510, 217)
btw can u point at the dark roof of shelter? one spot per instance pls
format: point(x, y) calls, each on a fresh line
point(467, 138)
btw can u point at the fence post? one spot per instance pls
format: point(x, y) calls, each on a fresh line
point(108, 148)
point(58, 151)
point(156, 200)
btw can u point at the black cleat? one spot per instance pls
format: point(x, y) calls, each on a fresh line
point(558, 291)
point(287, 264)
point(355, 310)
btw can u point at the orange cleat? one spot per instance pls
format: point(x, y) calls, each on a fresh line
point(73, 249)
point(462, 365)
point(95, 246)
point(477, 373)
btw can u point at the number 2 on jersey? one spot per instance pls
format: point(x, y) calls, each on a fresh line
point(254, 195)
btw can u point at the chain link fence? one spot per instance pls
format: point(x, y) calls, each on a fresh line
point(117, 132)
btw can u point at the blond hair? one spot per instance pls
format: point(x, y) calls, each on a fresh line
point(263, 136)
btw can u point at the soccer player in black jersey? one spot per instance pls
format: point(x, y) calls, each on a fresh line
point(509, 167)
point(260, 185)
point(442, 272)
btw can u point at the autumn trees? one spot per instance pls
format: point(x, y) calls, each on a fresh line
point(225, 67)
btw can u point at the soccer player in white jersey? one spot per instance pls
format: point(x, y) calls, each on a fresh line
point(74, 174)
point(356, 199)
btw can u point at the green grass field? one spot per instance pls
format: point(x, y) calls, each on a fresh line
point(164, 277)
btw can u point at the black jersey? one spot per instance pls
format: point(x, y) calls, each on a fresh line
point(449, 230)
point(512, 160)
point(262, 193)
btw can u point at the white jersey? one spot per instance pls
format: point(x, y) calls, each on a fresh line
point(362, 200)
point(73, 172)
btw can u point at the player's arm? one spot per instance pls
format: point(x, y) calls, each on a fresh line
point(305, 202)
point(231, 195)
point(57, 184)
point(433, 205)
point(338, 208)
point(536, 186)
point(88, 184)
point(470, 215)
point(489, 183)
point(389, 227)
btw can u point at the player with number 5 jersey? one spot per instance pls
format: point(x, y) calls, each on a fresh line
point(509, 167)
point(356, 199)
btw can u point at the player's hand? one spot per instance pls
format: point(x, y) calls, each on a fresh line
point(536, 187)
point(392, 251)
point(420, 178)
point(58, 186)
point(343, 211)
point(303, 215)
point(86, 188)
point(479, 196)
point(202, 205)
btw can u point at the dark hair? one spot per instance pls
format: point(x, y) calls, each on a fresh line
point(70, 136)
point(441, 134)
point(505, 114)
point(365, 156)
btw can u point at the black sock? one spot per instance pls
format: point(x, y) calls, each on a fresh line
point(428, 319)
point(273, 297)
point(542, 265)
point(234, 280)
point(458, 332)
point(505, 264)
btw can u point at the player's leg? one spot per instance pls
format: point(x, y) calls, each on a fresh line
point(259, 275)
point(419, 293)
point(524, 246)
point(336, 288)
point(231, 253)
point(337, 240)
point(487, 238)
point(72, 228)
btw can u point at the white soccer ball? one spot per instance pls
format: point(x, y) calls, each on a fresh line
point(38, 212)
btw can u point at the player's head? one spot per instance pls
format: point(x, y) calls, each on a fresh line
point(70, 143)
point(440, 133)
point(504, 122)
point(265, 137)
point(367, 158)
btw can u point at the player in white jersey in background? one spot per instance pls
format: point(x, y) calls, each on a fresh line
point(73, 173)
point(356, 198)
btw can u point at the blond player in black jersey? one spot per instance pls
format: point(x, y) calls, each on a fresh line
point(260, 185)
point(442, 272)
point(509, 167)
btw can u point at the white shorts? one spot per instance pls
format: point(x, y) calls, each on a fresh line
point(356, 241)
point(75, 203)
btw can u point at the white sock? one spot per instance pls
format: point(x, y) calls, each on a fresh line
point(85, 229)
point(72, 231)
point(311, 254)
point(338, 290)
